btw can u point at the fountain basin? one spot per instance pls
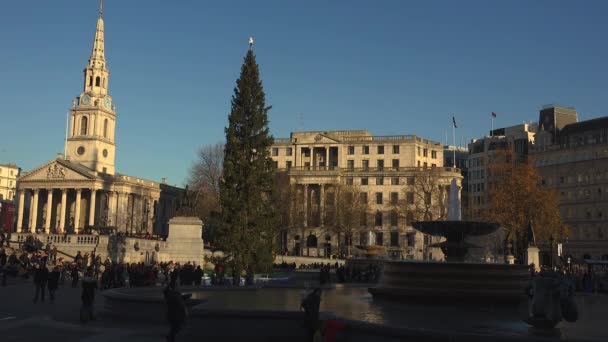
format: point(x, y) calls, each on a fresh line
point(453, 282)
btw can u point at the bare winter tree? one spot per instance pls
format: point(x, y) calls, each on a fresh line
point(206, 171)
point(425, 198)
point(204, 179)
point(351, 209)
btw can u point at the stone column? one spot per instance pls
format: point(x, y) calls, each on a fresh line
point(111, 212)
point(117, 220)
point(92, 207)
point(35, 211)
point(305, 205)
point(322, 205)
point(64, 204)
point(327, 157)
point(77, 211)
point(20, 214)
point(49, 210)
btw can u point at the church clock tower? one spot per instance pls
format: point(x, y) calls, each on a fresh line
point(93, 117)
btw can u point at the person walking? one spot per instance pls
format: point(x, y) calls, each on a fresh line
point(311, 305)
point(89, 284)
point(74, 275)
point(176, 311)
point(41, 276)
point(53, 283)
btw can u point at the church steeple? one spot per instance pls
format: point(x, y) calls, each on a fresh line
point(93, 117)
point(98, 53)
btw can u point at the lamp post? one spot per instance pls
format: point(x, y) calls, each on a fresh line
point(551, 251)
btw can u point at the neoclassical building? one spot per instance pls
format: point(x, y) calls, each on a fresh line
point(387, 174)
point(82, 189)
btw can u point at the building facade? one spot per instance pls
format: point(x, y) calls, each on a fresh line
point(8, 181)
point(383, 170)
point(82, 189)
point(572, 158)
point(504, 145)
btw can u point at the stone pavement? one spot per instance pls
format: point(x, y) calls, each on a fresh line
point(23, 320)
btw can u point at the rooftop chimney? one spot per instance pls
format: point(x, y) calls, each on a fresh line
point(164, 180)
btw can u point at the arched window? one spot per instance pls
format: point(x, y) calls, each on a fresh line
point(97, 81)
point(311, 241)
point(83, 125)
point(105, 128)
point(90, 81)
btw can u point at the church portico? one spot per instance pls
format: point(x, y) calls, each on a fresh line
point(82, 199)
point(81, 190)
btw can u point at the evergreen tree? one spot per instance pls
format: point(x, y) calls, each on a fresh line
point(247, 230)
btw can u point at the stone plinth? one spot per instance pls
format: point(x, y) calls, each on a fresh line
point(532, 257)
point(185, 241)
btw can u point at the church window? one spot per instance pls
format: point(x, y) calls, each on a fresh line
point(83, 125)
point(97, 81)
point(105, 128)
point(90, 81)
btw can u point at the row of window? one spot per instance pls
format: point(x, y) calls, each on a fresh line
point(364, 150)
point(410, 239)
point(9, 182)
point(275, 151)
point(393, 198)
point(12, 172)
point(476, 174)
point(381, 181)
point(577, 178)
point(479, 187)
point(350, 164)
point(97, 81)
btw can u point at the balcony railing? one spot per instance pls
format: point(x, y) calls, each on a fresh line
point(367, 169)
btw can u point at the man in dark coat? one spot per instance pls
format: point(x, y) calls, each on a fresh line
point(198, 275)
point(41, 276)
point(74, 275)
point(176, 311)
point(53, 282)
point(311, 305)
point(89, 284)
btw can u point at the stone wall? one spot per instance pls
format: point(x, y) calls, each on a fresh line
point(183, 244)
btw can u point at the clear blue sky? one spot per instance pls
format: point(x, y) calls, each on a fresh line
point(392, 67)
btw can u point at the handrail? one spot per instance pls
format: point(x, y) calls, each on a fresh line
point(369, 169)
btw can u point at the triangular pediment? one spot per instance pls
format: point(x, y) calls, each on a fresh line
point(58, 170)
point(318, 139)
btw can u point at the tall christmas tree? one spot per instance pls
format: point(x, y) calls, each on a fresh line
point(247, 232)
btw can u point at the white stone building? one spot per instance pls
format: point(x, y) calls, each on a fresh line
point(383, 168)
point(8, 181)
point(82, 189)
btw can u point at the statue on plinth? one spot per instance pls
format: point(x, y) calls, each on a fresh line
point(186, 205)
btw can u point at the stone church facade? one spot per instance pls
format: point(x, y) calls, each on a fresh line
point(82, 189)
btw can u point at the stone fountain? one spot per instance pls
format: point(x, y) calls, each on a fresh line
point(453, 280)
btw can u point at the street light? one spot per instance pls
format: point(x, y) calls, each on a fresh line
point(551, 251)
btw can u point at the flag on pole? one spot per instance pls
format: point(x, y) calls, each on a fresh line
point(493, 114)
point(454, 121)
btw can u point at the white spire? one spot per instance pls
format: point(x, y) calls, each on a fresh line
point(98, 53)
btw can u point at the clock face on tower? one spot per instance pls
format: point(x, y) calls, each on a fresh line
point(107, 102)
point(85, 100)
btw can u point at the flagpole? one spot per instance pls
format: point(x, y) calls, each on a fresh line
point(492, 131)
point(65, 142)
point(454, 138)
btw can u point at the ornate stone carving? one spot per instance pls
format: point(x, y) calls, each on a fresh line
point(55, 171)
